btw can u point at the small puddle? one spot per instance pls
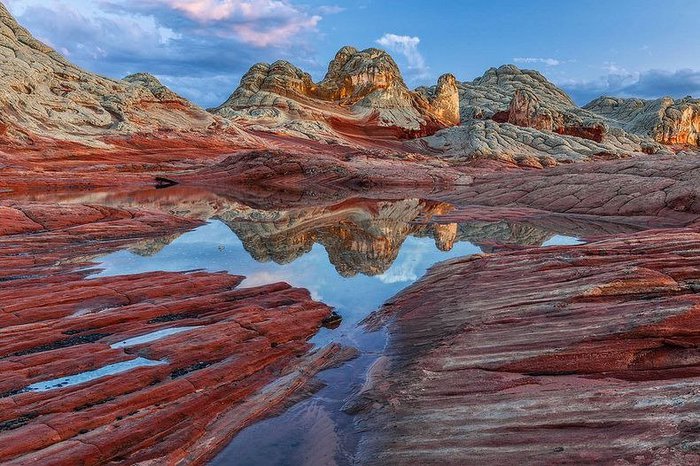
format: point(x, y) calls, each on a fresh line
point(89, 376)
point(559, 240)
point(150, 337)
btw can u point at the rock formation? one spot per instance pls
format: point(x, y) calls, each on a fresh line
point(515, 114)
point(561, 355)
point(362, 95)
point(46, 97)
point(665, 120)
point(646, 191)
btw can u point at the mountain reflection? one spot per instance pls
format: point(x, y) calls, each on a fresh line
point(360, 236)
point(363, 236)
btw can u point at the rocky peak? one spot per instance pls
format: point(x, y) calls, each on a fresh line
point(353, 75)
point(150, 82)
point(446, 99)
point(361, 92)
point(281, 77)
point(44, 96)
point(502, 82)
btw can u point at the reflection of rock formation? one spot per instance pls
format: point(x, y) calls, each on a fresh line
point(503, 232)
point(152, 246)
point(364, 236)
point(359, 235)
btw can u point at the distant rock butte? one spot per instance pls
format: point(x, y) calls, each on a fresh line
point(362, 95)
point(518, 115)
point(665, 120)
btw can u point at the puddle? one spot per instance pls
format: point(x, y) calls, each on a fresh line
point(153, 336)
point(354, 262)
point(89, 376)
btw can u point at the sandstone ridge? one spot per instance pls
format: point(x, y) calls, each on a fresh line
point(362, 95)
point(515, 114)
point(665, 120)
point(46, 97)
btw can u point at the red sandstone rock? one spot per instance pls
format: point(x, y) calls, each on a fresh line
point(245, 358)
point(647, 191)
point(243, 341)
point(552, 355)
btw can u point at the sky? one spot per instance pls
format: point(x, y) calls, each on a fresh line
point(201, 48)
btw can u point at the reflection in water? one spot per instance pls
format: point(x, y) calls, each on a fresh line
point(353, 256)
point(215, 247)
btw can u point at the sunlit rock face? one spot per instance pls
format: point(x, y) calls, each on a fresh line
point(363, 94)
point(666, 120)
point(518, 115)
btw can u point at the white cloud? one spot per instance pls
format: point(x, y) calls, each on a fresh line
point(544, 61)
point(261, 23)
point(330, 9)
point(408, 47)
point(399, 274)
point(648, 84)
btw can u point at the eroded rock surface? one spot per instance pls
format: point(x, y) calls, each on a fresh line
point(222, 359)
point(666, 120)
point(515, 114)
point(646, 191)
point(362, 96)
point(552, 355)
point(44, 96)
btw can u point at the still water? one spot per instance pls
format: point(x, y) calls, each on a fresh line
point(353, 261)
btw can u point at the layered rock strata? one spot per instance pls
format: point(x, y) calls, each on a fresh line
point(553, 355)
point(643, 191)
point(45, 97)
point(666, 120)
point(362, 96)
point(156, 367)
point(515, 114)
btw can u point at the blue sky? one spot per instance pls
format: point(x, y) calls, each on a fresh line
point(201, 48)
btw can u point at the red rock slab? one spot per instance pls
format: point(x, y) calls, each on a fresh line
point(656, 191)
point(558, 355)
point(295, 172)
point(44, 239)
point(244, 356)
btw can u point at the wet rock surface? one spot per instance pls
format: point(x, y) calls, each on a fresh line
point(561, 354)
point(210, 358)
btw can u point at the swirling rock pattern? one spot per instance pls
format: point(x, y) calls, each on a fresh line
point(362, 95)
point(551, 355)
point(244, 355)
point(666, 120)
